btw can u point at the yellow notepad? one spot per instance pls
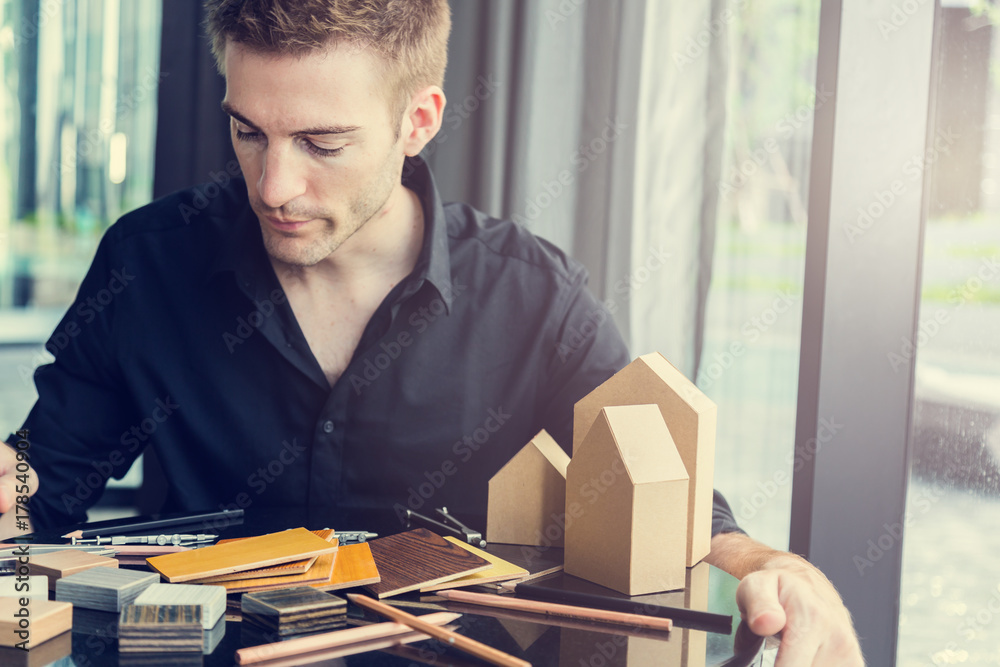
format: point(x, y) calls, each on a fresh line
point(253, 552)
point(502, 570)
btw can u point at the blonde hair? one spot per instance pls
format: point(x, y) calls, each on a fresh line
point(409, 36)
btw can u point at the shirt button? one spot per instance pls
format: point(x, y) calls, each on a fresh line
point(328, 427)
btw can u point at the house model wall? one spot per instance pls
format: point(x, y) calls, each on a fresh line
point(626, 504)
point(690, 417)
point(528, 495)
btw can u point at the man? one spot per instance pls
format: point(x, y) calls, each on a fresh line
point(325, 333)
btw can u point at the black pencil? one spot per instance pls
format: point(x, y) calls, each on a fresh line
point(142, 524)
point(704, 619)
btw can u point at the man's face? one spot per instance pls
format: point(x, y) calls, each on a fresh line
point(318, 149)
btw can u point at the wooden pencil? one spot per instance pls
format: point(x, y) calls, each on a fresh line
point(718, 622)
point(569, 611)
point(335, 639)
point(461, 642)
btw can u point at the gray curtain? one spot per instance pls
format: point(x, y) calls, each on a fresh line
point(577, 120)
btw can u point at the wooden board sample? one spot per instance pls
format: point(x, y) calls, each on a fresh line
point(211, 599)
point(50, 652)
point(253, 552)
point(355, 566)
point(293, 611)
point(104, 589)
point(294, 567)
point(691, 418)
point(318, 573)
point(528, 495)
point(32, 586)
point(501, 570)
point(160, 628)
point(407, 561)
point(59, 564)
point(47, 619)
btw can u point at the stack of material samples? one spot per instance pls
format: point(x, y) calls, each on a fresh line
point(293, 611)
point(160, 628)
point(211, 599)
point(104, 589)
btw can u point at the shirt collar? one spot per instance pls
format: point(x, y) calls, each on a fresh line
point(243, 253)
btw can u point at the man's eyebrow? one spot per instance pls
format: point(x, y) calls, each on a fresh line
point(313, 131)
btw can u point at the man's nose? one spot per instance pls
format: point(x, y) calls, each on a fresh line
point(281, 179)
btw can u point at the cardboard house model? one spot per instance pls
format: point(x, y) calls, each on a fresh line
point(690, 416)
point(528, 495)
point(626, 504)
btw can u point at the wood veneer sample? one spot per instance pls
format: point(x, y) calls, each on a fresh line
point(47, 619)
point(159, 628)
point(58, 564)
point(211, 599)
point(355, 566)
point(104, 589)
point(500, 570)
point(318, 573)
point(293, 611)
point(294, 567)
point(408, 561)
point(253, 552)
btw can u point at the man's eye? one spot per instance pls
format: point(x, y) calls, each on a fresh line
point(322, 152)
point(247, 136)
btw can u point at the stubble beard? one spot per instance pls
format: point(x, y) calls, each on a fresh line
point(292, 249)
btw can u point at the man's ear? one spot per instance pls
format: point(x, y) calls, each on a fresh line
point(422, 119)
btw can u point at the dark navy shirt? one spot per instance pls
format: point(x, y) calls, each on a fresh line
point(181, 339)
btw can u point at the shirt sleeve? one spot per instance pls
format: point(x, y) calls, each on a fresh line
point(78, 424)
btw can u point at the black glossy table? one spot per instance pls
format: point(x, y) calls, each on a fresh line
point(541, 641)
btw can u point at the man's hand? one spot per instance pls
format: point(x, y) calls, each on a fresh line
point(15, 484)
point(782, 593)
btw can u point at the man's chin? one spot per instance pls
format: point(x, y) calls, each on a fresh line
point(298, 252)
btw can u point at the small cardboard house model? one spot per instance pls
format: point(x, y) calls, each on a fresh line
point(528, 495)
point(690, 416)
point(626, 504)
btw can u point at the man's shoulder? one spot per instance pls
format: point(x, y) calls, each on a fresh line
point(192, 212)
point(508, 242)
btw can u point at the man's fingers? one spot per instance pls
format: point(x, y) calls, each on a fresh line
point(757, 597)
point(7, 496)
